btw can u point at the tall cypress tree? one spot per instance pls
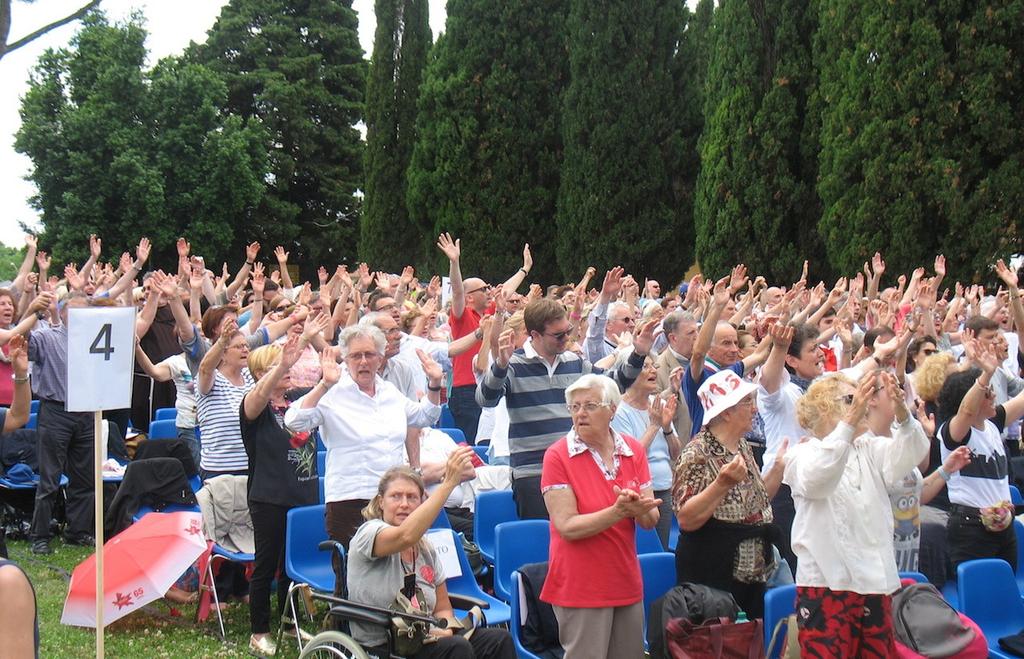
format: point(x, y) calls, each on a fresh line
point(616, 204)
point(689, 73)
point(886, 80)
point(488, 150)
point(388, 239)
point(296, 67)
point(755, 198)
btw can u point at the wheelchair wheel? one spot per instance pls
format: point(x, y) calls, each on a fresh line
point(333, 645)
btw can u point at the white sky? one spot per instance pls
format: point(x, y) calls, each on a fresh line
point(172, 24)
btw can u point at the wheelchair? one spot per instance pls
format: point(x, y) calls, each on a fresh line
point(333, 640)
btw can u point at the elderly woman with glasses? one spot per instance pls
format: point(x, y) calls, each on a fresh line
point(363, 421)
point(724, 509)
point(597, 486)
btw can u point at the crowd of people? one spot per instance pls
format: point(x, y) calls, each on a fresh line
point(797, 432)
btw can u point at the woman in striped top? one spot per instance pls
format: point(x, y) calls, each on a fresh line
point(223, 381)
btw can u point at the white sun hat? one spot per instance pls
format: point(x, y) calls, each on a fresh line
point(721, 391)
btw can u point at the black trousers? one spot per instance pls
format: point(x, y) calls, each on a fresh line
point(529, 500)
point(268, 525)
point(485, 643)
point(461, 520)
point(462, 404)
point(65, 446)
point(783, 514)
point(968, 538)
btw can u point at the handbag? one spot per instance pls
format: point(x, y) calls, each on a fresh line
point(790, 642)
point(715, 639)
point(407, 635)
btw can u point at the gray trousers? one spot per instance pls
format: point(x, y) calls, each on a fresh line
point(607, 633)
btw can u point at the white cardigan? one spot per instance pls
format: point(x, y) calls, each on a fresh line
point(843, 529)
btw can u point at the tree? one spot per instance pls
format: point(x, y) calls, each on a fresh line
point(7, 46)
point(10, 261)
point(388, 238)
point(615, 203)
point(488, 149)
point(123, 152)
point(296, 68)
point(689, 72)
point(755, 199)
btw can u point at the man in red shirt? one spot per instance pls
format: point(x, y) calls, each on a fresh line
point(469, 301)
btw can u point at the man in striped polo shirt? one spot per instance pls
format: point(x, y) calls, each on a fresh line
point(533, 381)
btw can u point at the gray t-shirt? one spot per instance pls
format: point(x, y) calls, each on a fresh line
point(376, 581)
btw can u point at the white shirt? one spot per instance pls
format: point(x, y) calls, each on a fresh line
point(364, 435)
point(1013, 345)
point(185, 384)
point(778, 411)
point(404, 378)
point(843, 530)
point(436, 446)
point(407, 355)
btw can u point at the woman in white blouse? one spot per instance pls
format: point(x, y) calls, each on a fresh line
point(363, 422)
point(843, 530)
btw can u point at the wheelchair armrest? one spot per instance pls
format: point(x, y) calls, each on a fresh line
point(359, 614)
point(332, 545)
point(467, 601)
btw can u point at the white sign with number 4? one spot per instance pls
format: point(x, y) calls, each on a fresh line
point(101, 357)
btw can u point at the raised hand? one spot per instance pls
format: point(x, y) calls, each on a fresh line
point(252, 250)
point(408, 273)
point(291, 351)
point(31, 241)
point(195, 279)
point(506, 346)
point(43, 261)
point(434, 287)
point(675, 378)
point(281, 255)
point(331, 371)
point(315, 325)
point(95, 246)
point(643, 337)
point(940, 265)
point(612, 284)
point(782, 335)
point(926, 420)
point(895, 393)
point(527, 258)
point(18, 355)
point(1008, 276)
point(451, 248)
point(957, 460)
point(737, 278)
point(866, 388)
point(41, 303)
point(142, 251)
point(733, 473)
point(75, 280)
point(877, 264)
point(321, 275)
point(305, 294)
point(259, 281)
point(365, 277)
point(722, 292)
point(431, 368)
point(183, 248)
point(457, 465)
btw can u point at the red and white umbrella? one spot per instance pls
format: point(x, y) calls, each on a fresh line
point(140, 564)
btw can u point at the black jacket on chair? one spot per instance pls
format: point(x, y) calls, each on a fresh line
point(155, 482)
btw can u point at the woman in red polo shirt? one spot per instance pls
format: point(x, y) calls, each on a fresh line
point(596, 486)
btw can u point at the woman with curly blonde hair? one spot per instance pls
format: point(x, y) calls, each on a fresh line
point(843, 529)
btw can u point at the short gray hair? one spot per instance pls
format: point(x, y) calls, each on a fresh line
point(615, 306)
point(672, 321)
point(361, 330)
point(370, 319)
point(607, 387)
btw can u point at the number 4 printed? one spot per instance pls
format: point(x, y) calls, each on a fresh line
point(106, 349)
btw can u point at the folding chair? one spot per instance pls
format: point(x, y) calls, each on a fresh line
point(516, 544)
point(492, 508)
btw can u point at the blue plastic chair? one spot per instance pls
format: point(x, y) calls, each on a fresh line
point(441, 521)
point(447, 419)
point(323, 492)
point(515, 626)
point(457, 435)
point(918, 577)
point(33, 407)
point(1018, 528)
point(658, 571)
point(171, 508)
point(989, 597)
point(516, 544)
point(33, 418)
point(647, 541)
point(951, 593)
point(163, 429)
point(319, 441)
point(492, 508)
point(497, 612)
point(321, 462)
point(481, 452)
point(673, 534)
point(779, 603)
point(165, 414)
point(303, 560)
point(1015, 496)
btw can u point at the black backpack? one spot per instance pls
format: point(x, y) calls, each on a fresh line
point(925, 622)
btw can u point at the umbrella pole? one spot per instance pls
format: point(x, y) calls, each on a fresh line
point(98, 457)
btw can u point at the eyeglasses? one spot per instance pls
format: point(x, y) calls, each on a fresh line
point(558, 336)
point(589, 408)
point(362, 356)
point(386, 307)
point(477, 290)
point(846, 400)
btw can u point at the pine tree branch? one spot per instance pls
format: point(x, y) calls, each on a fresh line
point(28, 38)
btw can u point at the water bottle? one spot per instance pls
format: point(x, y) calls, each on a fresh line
point(742, 617)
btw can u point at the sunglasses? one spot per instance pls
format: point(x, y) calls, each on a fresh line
point(561, 335)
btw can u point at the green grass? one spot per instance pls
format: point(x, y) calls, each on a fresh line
point(150, 632)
